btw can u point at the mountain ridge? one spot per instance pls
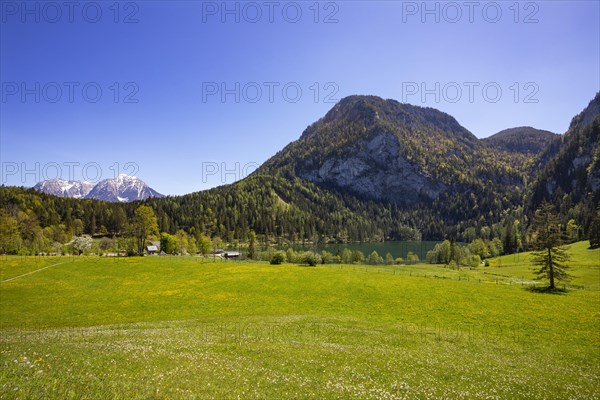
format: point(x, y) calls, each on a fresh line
point(121, 189)
point(522, 139)
point(64, 188)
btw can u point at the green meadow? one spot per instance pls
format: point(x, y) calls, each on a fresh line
point(189, 328)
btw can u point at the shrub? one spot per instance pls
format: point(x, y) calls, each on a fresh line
point(278, 258)
point(357, 256)
point(389, 259)
point(105, 244)
point(375, 258)
point(346, 256)
point(326, 257)
point(290, 255)
point(309, 258)
point(475, 261)
point(412, 257)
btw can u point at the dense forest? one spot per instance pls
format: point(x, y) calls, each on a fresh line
point(487, 190)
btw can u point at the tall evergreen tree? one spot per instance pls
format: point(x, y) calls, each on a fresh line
point(549, 253)
point(594, 231)
point(509, 238)
point(252, 246)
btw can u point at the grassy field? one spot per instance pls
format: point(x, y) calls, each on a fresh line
point(171, 327)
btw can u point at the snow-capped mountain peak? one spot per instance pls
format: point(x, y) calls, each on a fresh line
point(123, 188)
point(63, 188)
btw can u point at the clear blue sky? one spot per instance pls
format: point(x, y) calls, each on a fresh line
point(173, 58)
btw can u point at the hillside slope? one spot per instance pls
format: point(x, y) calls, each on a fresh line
point(571, 177)
point(523, 139)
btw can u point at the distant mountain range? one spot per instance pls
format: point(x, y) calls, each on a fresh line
point(122, 189)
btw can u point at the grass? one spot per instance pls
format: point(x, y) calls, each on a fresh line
point(584, 263)
point(181, 328)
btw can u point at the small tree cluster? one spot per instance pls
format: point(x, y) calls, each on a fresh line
point(455, 255)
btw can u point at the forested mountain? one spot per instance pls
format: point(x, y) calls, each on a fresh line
point(370, 169)
point(374, 169)
point(524, 148)
point(571, 177)
point(524, 139)
point(385, 150)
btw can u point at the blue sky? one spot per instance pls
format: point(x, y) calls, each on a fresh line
point(189, 95)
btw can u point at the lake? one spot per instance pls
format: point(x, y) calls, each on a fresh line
point(395, 248)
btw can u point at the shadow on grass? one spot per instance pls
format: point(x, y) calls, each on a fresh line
point(546, 289)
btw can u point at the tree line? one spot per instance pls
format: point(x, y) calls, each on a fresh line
point(273, 209)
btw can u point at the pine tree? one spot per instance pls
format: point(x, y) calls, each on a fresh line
point(509, 238)
point(594, 231)
point(549, 252)
point(252, 246)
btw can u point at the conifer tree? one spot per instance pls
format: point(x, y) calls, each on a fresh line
point(549, 255)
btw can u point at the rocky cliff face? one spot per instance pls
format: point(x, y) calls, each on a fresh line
point(378, 170)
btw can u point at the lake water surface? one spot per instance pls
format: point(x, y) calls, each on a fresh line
point(395, 248)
